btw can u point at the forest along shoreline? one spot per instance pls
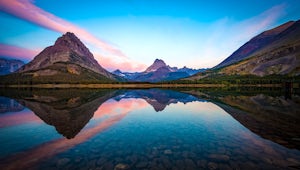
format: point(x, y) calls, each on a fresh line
point(147, 85)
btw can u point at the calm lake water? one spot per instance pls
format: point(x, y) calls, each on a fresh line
point(149, 129)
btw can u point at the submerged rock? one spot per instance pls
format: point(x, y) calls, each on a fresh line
point(168, 152)
point(141, 165)
point(121, 166)
point(221, 158)
point(212, 166)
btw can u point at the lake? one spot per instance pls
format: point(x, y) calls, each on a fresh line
point(177, 129)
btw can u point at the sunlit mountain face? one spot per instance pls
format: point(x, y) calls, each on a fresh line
point(151, 128)
point(130, 35)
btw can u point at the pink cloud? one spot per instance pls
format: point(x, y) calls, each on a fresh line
point(17, 52)
point(26, 10)
point(124, 64)
point(261, 22)
point(106, 111)
point(125, 106)
point(18, 118)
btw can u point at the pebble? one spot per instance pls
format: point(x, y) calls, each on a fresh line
point(189, 164)
point(62, 162)
point(212, 166)
point(141, 165)
point(121, 166)
point(220, 158)
point(168, 152)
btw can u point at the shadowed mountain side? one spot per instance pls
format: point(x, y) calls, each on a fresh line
point(68, 111)
point(67, 61)
point(273, 118)
point(9, 105)
point(157, 72)
point(8, 66)
point(256, 43)
point(275, 52)
point(158, 98)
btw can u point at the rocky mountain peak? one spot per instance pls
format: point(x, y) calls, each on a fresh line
point(158, 63)
point(67, 49)
point(71, 41)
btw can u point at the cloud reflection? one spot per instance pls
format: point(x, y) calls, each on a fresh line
point(111, 112)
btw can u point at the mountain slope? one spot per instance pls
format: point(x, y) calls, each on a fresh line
point(281, 56)
point(258, 42)
point(67, 61)
point(8, 66)
point(67, 48)
point(158, 71)
point(156, 65)
point(277, 52)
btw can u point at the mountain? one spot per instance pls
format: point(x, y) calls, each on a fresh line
point(67, 61)
point(9, 105)
point(67, 110)
point(256, 43)
point(281, 56)
point(267, 113)
point(158, 71)
point(156, 65)
point(273, 52)
point(157, 98)
point(8, 66)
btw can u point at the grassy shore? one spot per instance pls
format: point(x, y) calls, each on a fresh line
point(144, 85)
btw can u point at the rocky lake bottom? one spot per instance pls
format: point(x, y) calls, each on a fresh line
point(149, 129)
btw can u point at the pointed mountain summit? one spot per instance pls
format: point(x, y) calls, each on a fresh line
point(67, 61)
point(67, 48)
point(158, 63)
point(158, 71)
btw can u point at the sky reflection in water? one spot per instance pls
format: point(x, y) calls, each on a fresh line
point(138, 128)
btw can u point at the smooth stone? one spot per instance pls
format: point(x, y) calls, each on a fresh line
point(168, 152)
point(225, 167)
point(202, 163)
point(212, 166)
point(219, 157)
point(101, 161)
point(180, 164)
point(141, 165)
point(189, 164)
point(166, 162)
point(63, 161)
point(121, 166)
point(108, 165)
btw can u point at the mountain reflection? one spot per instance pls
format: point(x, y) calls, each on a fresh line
point(275, 118)
point(67, 111)
point(9, 105)
point(80, 115)
point(158, 98)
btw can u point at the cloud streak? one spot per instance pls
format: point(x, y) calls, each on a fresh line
point(26, 10)
point(17, 52)
point(124, 64)
point(226, 35)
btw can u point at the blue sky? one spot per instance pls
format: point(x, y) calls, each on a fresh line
point(131, 34)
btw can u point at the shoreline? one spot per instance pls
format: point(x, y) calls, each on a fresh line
point(103, 86)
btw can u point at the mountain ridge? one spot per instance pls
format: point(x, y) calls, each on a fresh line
point(67, 61)
point(8, 66)
point(279, 56)
point(157, 72)
point(254, 44)
point(67, 48)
